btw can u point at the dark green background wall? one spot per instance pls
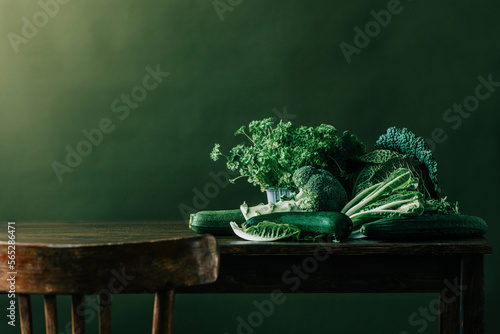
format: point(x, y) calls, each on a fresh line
point(263, 56)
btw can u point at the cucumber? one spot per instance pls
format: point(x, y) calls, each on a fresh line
point(426, 227)
point(311, 224)
point(215, 222)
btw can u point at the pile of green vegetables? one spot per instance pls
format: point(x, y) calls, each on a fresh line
point(275, 151)
point(391, 192)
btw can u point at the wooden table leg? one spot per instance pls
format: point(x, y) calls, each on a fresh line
point(78, 313)
point(25, 314)
point(163, 316)
point(472, 281)
point(105, 322)
point(449, 318)
point(50, 306)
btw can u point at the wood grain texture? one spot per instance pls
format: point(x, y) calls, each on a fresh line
point(163, 314)
point(239, 247)
point(97, 233)
point(50, 306)
point(85, 258)
point(25, 314)
point(449, 316)
point(472, 282)
point(105, 315)
point(331, 273)
point(78, 314)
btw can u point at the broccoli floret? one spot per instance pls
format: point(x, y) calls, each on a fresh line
point(300, 178)
point(319, 190)
point(326, 174)
point(406, 142)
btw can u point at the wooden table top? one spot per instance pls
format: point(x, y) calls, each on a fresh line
point(82, 257)
point(74, 234)
point(83, 234)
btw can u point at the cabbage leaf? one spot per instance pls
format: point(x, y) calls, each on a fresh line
point(266, 231)
point(395, 196)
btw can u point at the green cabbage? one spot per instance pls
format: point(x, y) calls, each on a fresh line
point(395, 196)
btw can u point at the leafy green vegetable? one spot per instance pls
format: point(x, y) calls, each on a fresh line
point(276, 151)
point(318, 191)
point(395, 196)
point(441, 206)
point(266, 231)
point(379, 164)
point(406, 142)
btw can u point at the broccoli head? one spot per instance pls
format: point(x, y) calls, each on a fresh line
point(303, 174)
point(319, 190)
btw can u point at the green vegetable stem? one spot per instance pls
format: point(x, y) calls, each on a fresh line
point(395, 196)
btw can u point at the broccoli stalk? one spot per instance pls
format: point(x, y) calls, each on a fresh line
point(318, 190)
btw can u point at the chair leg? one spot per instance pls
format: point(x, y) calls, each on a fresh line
point(163, 316)
point(25, 314)
point(77, 313)
point(104, 315)
point(50, 314)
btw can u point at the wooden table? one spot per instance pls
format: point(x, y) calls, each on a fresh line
point(451, 268)
point(101, 258)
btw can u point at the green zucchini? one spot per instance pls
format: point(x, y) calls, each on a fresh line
point(311, 224)
point(215, 222)
point(426, 227)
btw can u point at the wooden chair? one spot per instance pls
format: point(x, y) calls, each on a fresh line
point(89, 258)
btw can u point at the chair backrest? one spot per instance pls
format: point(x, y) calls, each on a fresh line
point(103, 259)
point(163, 314)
